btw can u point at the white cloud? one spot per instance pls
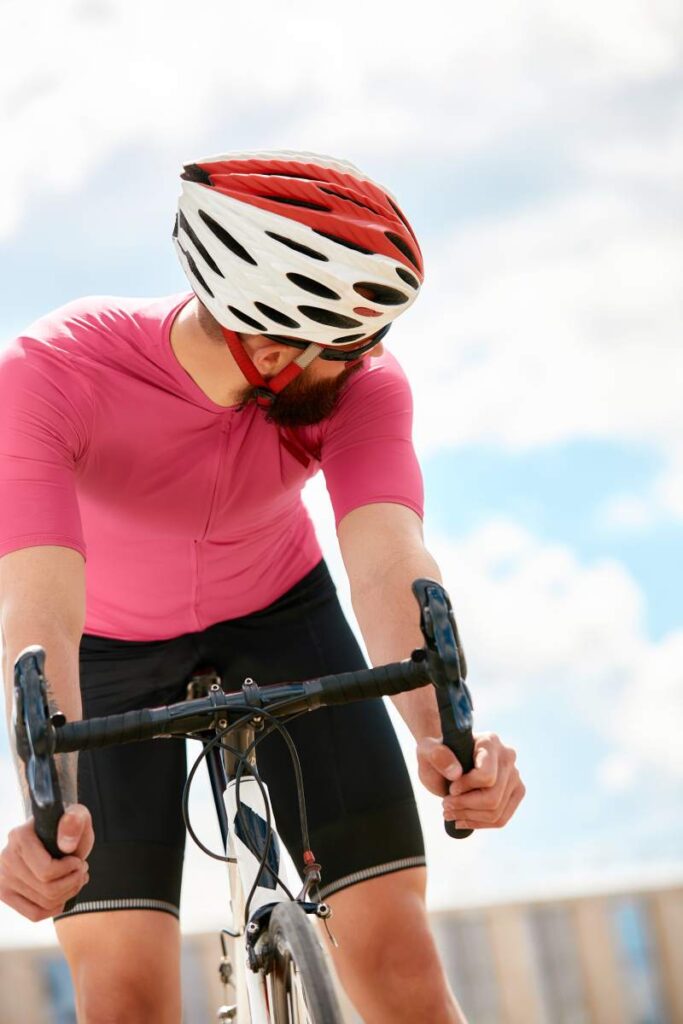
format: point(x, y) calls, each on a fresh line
point(663, 500)
point(667, 493)
point(91, 77)
point(617, 772)
point(536, 620)
point(648, 712)
point(557, 322)
point(625, 513)
point(554, 323)
point(539, 621)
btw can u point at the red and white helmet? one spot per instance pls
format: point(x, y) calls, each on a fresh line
point(296, 246)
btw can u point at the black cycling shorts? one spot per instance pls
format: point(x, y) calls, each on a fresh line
point(361, 810)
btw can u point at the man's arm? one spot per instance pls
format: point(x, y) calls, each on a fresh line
point(383, 551)
point(42, 601)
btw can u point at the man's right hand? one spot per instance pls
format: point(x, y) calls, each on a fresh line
point(36, 884)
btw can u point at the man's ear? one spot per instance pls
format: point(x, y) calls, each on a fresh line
point(269, 357)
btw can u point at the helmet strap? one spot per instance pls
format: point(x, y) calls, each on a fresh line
point(267, 389)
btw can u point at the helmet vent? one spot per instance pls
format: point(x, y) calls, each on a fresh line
point(315, 287)
point(226, 238)
point(193, 172)
point(303, 203)
point(276, 315)
point(175, 227)
point(247, 319)
point(327, 317)
point(382, 294)
point(344, 241)
point(347, 339)
point(365, 311)
point(199, 246)
point(195, 272)
point(406, 276)
point(297, 246)
point(403, 247)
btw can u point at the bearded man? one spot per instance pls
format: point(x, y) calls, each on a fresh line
point(167, 442)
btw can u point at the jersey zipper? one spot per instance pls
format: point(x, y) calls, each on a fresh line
point(220, 462)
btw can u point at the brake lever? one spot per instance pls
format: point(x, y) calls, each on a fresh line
point(448, 670)
point(34, 733)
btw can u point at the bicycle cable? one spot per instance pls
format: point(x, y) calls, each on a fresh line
point(219, 739)
point(203, 754)
point(280, 726)
point(275, 724)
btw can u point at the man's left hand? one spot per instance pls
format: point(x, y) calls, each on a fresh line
point(486, 797)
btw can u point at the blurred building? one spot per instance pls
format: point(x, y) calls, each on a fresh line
point(613, 958)
point(608, 959)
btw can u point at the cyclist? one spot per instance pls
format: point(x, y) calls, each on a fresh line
point(171, 438)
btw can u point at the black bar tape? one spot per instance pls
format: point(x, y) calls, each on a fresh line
point(384, 681)
point(105, 732)
point(190, 716)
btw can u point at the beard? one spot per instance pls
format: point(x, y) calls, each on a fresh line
point(304, 402)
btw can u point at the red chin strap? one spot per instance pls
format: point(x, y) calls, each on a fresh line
point(267, 389)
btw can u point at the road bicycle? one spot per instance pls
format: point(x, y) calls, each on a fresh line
point(271, 955)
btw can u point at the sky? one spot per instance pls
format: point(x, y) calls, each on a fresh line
point(537, 149)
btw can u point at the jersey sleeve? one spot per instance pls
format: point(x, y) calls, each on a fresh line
point(367, 452)
point(43, 432)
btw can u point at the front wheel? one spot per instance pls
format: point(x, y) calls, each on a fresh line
point(300, 986)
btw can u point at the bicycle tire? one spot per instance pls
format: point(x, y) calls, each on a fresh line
point(300, 986)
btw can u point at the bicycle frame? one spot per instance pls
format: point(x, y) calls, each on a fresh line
point(244, 828)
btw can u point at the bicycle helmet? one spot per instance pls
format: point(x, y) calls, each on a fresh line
point(301, 248)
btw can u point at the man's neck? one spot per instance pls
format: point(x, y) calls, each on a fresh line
point(206, 358)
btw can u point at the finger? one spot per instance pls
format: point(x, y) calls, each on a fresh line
point(28, 909)
point(513, 803)
point(479, 814)
point(74, 833)
point(479, 820)
point(483, 819)
point(484, 775)
point(14, 869)
point(437, 765)
point(39, 862)
point(491, 759)
point(431, 780)
point(441, 758)
point(486, 800)
point(476, 779)
point(49, 896)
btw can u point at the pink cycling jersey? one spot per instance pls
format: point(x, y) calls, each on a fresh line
point(188, 513)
